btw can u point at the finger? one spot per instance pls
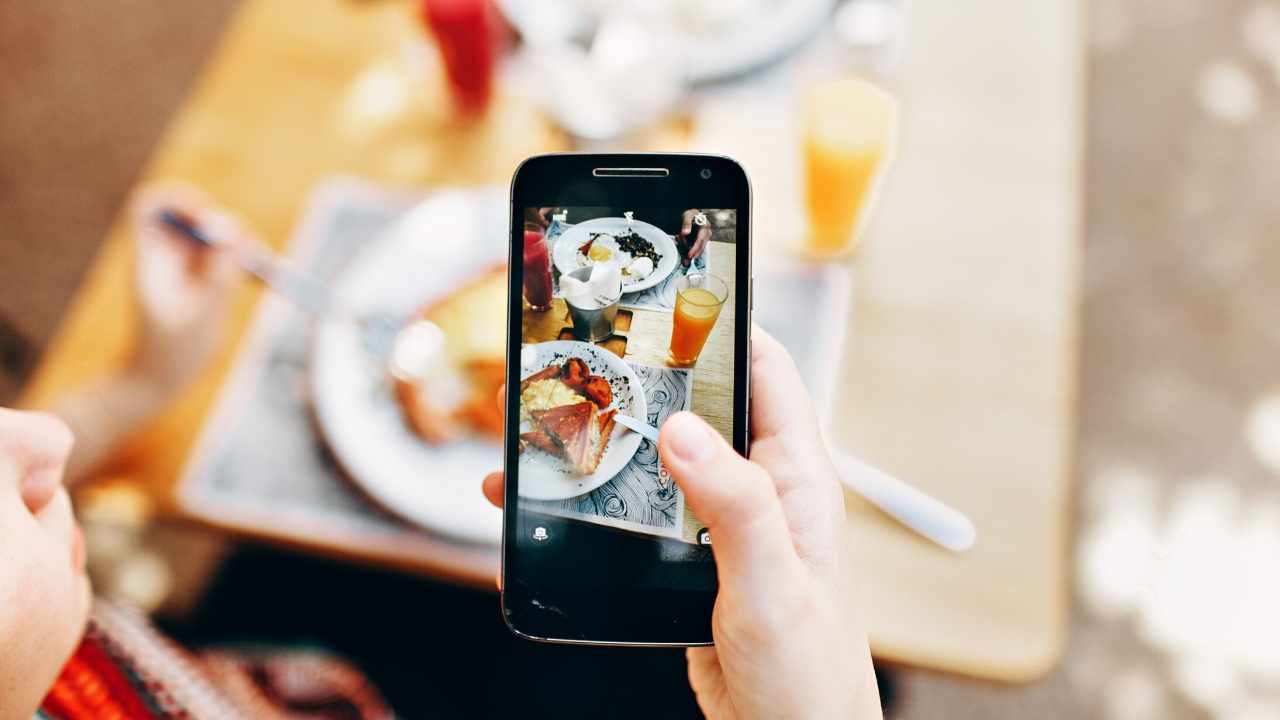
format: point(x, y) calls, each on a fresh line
point(704, 235)
point(780, 401)
point(686, 221)
point(160, 243)
point(785, 431)
point(493, 487)
point(705, 674)
point(38, 445)
point(735, 498)
point(502, 399)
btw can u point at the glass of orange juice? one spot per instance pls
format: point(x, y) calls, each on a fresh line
point(851, 131)
point(699, 297)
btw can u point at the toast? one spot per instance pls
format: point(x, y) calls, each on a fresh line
point(457, 396)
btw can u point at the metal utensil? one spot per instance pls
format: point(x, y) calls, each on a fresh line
point(645, 430)
point(378, 330)
point(913, 508)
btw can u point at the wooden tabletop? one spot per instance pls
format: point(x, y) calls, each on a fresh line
point(960, 363)
point(959, 373)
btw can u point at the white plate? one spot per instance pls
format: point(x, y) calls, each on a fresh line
point(732, 42)
point(567, 259)
point(448, 239)
point(543, 477)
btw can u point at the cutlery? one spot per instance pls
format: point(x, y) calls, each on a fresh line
point(640, 427)
point(926, 515)
point(378, 330)
point(645, 430)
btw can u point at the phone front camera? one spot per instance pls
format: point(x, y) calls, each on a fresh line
point(706, 174)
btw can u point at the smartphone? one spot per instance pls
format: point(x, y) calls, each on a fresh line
point(629, 301)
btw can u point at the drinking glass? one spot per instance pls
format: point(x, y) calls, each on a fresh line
point(537, 269)
point(850, 133)
point(699, 297)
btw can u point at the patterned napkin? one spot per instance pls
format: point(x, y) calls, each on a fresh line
point(659, 297)
point(642, 496)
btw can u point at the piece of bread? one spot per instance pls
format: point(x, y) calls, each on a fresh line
point(578, 433)
point(544, 442)
point(458, 396)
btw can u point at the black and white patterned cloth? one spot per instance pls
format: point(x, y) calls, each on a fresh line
point(642, 496)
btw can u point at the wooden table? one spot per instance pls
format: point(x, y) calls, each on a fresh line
point(960, 369)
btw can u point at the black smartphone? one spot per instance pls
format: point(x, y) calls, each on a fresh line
point(629, 300)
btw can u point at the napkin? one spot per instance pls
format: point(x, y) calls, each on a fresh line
point(602, 287)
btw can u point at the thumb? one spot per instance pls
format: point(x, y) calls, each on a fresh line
point(686, 224)
point(734, 497)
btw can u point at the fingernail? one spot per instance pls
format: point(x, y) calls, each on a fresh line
point(39, 487)
point(691, 440)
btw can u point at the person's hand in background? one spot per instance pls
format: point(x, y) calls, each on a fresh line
point(785, 642)
point(181, 295)
point(44, 592)
point(693, 236)
point(181, 288)
point(538, 216)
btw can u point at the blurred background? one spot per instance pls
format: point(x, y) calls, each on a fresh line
point(1052, 226)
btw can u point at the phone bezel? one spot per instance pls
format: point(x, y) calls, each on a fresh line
point(538, 602)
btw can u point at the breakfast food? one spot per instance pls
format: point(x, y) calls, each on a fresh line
point(449, 391)
point(562, 403)
point(637, 247)
point(636, 255)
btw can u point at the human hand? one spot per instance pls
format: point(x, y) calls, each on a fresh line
point(785, 643)
point(538, 216)
point(698, 244)
point(182, 289)
point(44, 590)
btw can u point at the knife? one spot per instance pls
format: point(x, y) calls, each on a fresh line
point(645, 430)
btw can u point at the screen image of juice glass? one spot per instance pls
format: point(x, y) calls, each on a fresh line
point(627, 319)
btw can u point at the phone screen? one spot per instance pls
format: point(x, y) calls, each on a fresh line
point(629, 308)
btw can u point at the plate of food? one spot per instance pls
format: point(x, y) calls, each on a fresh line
point(569, 441)
point(419, 441)
point(646, 254)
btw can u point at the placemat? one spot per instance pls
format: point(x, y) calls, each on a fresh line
point(642, 496)
point(260, 458)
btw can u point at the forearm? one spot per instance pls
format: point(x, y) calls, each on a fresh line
point(104, 415)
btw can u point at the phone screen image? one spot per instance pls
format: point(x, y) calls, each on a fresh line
point(628, 303)
point(628, 318)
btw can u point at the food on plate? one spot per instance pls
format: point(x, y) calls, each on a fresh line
point(635, 255)
point(448, 394)
point(580, 431)
point(598, 252)
point(637, 247)
point(640, 268)
point(563, 403)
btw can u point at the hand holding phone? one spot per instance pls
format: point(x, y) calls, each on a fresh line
point(784, 643)
point(624, 309)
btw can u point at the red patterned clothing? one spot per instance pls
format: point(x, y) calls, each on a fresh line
point(124, 669)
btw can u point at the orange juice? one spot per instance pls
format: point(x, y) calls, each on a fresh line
point(698, 301)
point(851, 126)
